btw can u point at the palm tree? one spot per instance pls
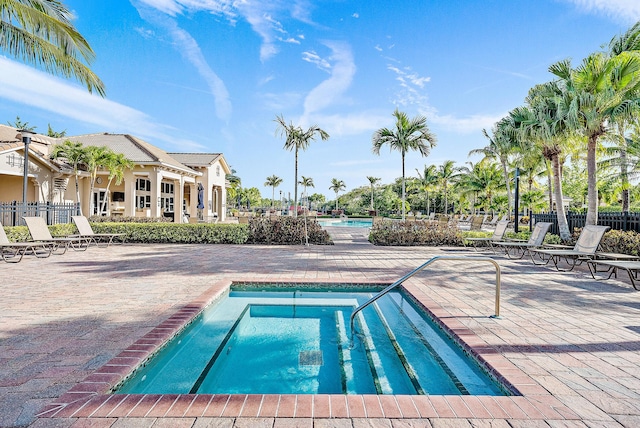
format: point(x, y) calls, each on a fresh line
point(95, 158)
point(40, 32)
point(501, 145)
point(372, 182)
point(19, 124)
point(337, 186)
point(306, 182)
point(623, 159)
point(273, 181)
point(447, 174)
point(542, 123)
point(55, 134)
point(409, 134)
point(73, 154)
point(427, 179)
point(603, 90)
point(117, 164)
point(297, 139)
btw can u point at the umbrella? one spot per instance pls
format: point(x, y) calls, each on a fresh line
point(200, 196)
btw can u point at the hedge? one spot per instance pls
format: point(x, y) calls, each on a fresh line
point(260, 230)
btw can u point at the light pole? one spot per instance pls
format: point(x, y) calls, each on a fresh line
point(25, 134)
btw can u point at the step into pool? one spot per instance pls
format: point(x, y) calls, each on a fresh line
point(274, 341)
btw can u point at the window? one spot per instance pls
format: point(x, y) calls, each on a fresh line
point(117, 196)
point(166, 196)
point(143, 193)
point(218, 170)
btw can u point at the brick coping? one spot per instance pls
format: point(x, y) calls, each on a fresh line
point(91, 398)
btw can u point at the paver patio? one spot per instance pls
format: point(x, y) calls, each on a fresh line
point(569, 342)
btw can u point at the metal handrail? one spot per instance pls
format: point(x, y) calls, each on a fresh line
point(418, 269)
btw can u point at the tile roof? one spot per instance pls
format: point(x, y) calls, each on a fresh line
point(135, 149)
point(196, 159)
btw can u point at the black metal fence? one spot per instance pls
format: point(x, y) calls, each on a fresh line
point(616, 221)
point(11, 213)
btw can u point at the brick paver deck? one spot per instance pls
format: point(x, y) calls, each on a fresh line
point(568, 343)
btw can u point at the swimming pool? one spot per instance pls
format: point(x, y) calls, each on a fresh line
point(274, 341)
point(346, 223)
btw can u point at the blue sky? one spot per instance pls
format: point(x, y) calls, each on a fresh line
point(211, 75)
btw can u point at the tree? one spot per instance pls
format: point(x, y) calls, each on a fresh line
point(235, 184)
point(18, 124)
point(273, 181)
point(297, 139)
point(306, 182)
point(73, 154)
point(337, 186)
point(501, 145)
point(427, 179)
point(117, 164)
point(55, 134)
point(372, 182)
point(409, 134)
point(40, 33)
point(542, 122)
point(447, 173)
point(95, 158)
point(603, 90)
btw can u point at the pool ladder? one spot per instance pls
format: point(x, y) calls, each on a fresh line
point(418, 269)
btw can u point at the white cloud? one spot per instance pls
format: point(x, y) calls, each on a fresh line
point(261, 15)
point(624, 10)
point(314, 58)
point(352, 124)
point(26, 85)
point(356, 15)
point(188, 47)
point(342, 72)
point(466, 125)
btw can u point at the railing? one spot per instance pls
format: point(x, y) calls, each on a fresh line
point(11, 213)
point(418, 269)
point(616, 221)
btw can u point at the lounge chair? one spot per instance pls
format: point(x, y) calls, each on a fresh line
point(40, 233)
point(86, 231)
point(498, 234)
point(631, 266)
point(12, 252)
point(584, 249)
point(493, 222)
point(517, 249)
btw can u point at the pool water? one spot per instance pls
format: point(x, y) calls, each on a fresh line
point(299, 342)
point(346, 223)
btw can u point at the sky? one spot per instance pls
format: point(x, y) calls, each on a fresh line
point(212, 75)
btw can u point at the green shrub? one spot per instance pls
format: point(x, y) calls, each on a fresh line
point(414, 233)
point(618, 241)
point(286, 231)
point(199, 233)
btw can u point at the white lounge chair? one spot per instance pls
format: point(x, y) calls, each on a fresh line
point(40, 233)
point(86, 231)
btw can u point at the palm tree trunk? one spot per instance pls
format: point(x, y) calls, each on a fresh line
point(295, 188)
point(103, 206)
point(403, 191)
point(563, 225)
point(592, 189)
point(624, 177)
point(78, 194)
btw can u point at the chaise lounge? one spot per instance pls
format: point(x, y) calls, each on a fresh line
point(40, 233)
point(12, 252)
point(584, 249)
point(517, 250)
point(86, 231)
point(498, 234)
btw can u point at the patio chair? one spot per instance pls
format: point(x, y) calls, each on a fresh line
point(86, 231)
point(40, 233)
point(584, 249)
point(631, 266)
point(493, 222)
point(521, 248)
point(498, 234)
point(12, 252)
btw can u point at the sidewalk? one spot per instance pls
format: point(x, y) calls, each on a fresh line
point(576, 340)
